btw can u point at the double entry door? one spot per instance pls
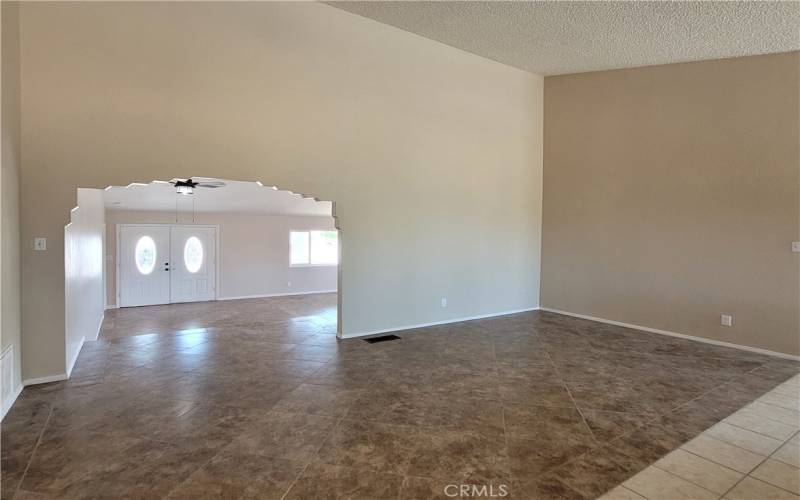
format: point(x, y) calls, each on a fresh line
point(166, 264)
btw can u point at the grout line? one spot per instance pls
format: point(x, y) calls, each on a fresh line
point(681, 477)
point(571, 398)
point(773, 405)
point(724, 421)
point(599, 445)
point(502, 402)
point(756, 467)
point(708, 436)
point(198, 469)
point(655, 419)
point(628, 489)
point(33, 453)
point(316, 454)
point(712, 461)
point(765, 417)
point(748, 476)
point(717, 463)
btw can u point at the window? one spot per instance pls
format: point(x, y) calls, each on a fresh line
point(299, 246)
point(145, 255)
point(313, 248)
point(193, 254)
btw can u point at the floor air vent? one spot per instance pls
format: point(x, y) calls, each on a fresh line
point(382, 338)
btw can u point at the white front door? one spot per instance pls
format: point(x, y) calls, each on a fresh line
point(144, 265)
point(166, 264)
point(193, 263)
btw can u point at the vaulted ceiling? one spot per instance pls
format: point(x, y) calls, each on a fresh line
point(551, 38)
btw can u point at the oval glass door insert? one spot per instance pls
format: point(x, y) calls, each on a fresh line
point(193, 254)
point(145, 255)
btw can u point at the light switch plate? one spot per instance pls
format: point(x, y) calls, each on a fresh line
point(40, 244)
point(796, 246)
point(726, 320)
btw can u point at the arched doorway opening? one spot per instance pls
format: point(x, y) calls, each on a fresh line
point(198, 260)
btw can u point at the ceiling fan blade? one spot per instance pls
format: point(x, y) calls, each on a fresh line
point(210, 184)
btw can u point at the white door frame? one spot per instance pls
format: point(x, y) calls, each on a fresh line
point(117, 269)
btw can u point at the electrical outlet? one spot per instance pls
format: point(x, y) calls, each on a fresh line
point(444, 301)
point(40, 244)
point(726, 320)
point(288, 284)
point(796, 246)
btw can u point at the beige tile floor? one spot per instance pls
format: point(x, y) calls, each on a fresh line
point(753, 454)
point(258, 399)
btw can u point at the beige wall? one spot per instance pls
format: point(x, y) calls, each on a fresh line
point(432, 155)
point(84, 242)
point(671, 196)
point(9, 200)
point(253, 251)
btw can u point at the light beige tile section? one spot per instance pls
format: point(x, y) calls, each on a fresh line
point(622, 493)
point(699, 471)
point(782, 400)
point(779, 474)
point(790, 387)
point(724, 453)
point(783, 415)
point(789, 453)
point(743, 438)
point(657, 484)
point(767, 426)
point(757, 422)
point(787, 389)
point(753, 489)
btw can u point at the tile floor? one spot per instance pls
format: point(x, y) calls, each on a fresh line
point(754, 454)
point(257, 399)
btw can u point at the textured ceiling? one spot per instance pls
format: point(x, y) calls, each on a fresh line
point(551, 38)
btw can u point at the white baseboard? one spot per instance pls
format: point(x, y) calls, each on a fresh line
point(434, 323)
point(111, 306)
point(262, 296)
point(674, 334)
point(45, 380)
point(12, 386)
point(9, 401)
point(99, 327)
point(71, 363)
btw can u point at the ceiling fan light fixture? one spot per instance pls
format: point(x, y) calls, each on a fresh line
point(184, 189)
